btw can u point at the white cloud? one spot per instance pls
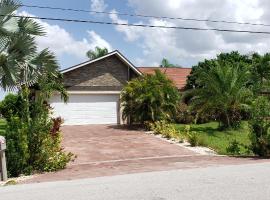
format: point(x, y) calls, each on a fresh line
point(131, 33)
point(98, 5)
point(60, 41)
point(188, 47)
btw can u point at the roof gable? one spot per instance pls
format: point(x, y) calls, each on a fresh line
point(117, 53)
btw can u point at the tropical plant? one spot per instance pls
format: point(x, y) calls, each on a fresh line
point(224, 93)
point(31, 144)
point(10, 106)
point(149, 98)
point(232, 58)
point(260, 72)
point(20, 62)
point(165, 63)
point(165, 129)
point(260, 127)
point(97, 53)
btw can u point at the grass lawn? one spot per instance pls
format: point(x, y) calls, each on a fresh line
point(219, 140)
point(2, 126)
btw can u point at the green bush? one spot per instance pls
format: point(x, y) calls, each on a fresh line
point(183, 114)
point(11, 106)
point(234, 148)
point(165, 129)
point(149, 98)
point(260, 127)
point(193, 139)
point(17, 147)
point(34, 140)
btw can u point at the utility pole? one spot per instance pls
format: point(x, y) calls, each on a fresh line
point(3, 165)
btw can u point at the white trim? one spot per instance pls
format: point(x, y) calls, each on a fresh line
point(108, 55)
point(93, 92)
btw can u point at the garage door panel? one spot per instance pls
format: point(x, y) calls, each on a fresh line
point(87, 109)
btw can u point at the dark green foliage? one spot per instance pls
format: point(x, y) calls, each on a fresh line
point(184, 114)
point(260, 72)
point(224, 94)
point(233, 58)
point(10, 106)
point(149, 98)
point(31, 144)
point(17, 147)
point(34, 139)
point(234, 148)
point(260, 125)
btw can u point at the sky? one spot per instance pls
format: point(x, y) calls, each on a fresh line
point(147, 46)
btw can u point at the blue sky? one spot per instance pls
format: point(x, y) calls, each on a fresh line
point(79, 30)
point(145, 46)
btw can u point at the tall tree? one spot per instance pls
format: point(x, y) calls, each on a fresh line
point(97, 53)
point(21, 64)
point(224, 93)
point(260, 72)
point(232, 58)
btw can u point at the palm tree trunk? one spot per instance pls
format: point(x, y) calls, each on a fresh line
point(26, 104)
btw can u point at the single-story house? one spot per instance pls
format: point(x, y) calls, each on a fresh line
point(94, 89)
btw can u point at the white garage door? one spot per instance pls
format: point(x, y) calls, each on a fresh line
point(87, 109)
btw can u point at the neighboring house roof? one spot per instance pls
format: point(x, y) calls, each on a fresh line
point(117, 53)
point(176, 74)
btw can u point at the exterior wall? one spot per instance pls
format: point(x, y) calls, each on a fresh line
point(108, 74)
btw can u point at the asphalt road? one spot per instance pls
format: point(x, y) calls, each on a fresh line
point(247, 182)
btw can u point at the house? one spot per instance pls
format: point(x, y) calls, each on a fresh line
point(94, 89)
point(176, 74)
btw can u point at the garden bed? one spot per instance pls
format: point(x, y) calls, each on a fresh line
point(213, 138)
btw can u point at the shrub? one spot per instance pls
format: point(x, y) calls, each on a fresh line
point(17, 147)
point(234, 148)
point(260, 127)
point(193, 139)
point(34, 139)
point(149, 98)
point(11, 106)
point(183, 114)
point(165, 129)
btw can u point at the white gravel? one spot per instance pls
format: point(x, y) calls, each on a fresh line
point(185, 144)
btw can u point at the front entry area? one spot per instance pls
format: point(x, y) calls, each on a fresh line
point(83, 109)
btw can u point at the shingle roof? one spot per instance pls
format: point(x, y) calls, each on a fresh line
point(176, 74)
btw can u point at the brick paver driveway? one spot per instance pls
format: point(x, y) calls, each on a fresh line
point(111, 150)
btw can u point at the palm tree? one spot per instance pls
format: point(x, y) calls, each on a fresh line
point(97, 53)
point(261, 72)
point(149, 98)
point(20, 62)
point(224, 93)
point(165, 63)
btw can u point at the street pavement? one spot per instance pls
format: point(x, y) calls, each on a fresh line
point(234, 182)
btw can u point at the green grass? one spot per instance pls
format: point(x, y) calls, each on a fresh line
point(2, 126)
point(218, 140)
